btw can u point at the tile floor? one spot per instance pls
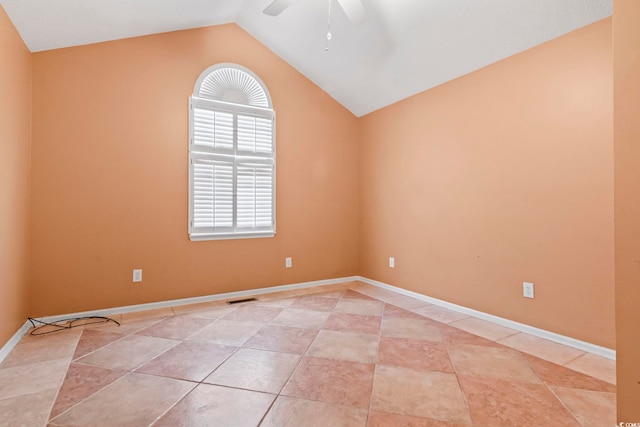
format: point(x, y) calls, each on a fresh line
point(340, 355)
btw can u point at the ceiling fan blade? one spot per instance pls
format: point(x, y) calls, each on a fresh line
point(354, 9)
point(277, 6)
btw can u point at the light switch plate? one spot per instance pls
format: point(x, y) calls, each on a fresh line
point(527, 289)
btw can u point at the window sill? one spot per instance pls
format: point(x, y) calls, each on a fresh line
point(199, 237)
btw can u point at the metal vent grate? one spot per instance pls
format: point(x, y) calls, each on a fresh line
point(240, 301)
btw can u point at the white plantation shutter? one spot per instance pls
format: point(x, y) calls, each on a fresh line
point(232, 158)
point(255, 195)
point(255, 134)
point(212, 195)
point(212, 129)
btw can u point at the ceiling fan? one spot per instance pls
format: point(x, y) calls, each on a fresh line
point(354, 9)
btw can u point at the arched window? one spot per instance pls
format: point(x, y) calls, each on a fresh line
point(231, 156)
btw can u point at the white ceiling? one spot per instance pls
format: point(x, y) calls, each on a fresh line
point(405, 47)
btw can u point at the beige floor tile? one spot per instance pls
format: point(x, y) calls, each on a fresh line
point(408, 303)
point(360, 306)
point(591, 408)
point(415, 354)
point(327, 293)
point(253, 313)
point(127, 327)
point(34, 378)
point(333, 381)
point(314, 303)
point(358, 323)
point(280, 302)
point(405, 391)
point(80, 382)
point(358, 285)
point(384, 419)
point(483, 328)
point(93, 339)
point(304, 291)
point(544, 349)
point(255, 370)
point(440, 314)
point(227, 332)
point(128, 353)
point(147, 314)
point(301, 318)
point(36, 349)
point(189, 360)
point(338, 286)
point(276, 295)
point(214, 312)
point(286, 339)
point(28, 410)
point(499, 403)
point(210, 405)
point(188, 308)
point(376, 292)
point(345, 346)
point(560, 376)
point(176, 327)
point(416, 328)
point(596, 366)
point(490, 362)
point(121, 403)
point(292, 412)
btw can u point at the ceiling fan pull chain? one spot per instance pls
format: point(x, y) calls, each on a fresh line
point(328, 28)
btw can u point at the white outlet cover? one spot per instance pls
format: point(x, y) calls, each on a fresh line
point(527, 290)
point(392, 262)
point(137, 275)
point(288, 263)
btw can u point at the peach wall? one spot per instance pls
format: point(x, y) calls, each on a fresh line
point(502, 176)
point(15, 147)
point(626, 50)
point(110, 175)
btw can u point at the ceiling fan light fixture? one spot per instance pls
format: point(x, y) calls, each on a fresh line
point(277, 7)
point(354, 9)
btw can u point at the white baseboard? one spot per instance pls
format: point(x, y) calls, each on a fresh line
point(541, 333)
point(194, 300)
point(6, 349)
point(551, 336)
point(14, 340)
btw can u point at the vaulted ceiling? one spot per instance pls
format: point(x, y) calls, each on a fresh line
point(405, 47)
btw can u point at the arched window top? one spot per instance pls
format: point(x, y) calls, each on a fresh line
point(232, 83)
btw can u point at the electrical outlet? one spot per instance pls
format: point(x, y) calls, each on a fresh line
point(527, 289)
point(392, 262)
point(137, 276)
point(288, 263)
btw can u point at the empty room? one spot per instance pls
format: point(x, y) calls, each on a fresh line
point(319, 213)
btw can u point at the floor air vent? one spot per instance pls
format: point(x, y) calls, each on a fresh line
point(240, 301)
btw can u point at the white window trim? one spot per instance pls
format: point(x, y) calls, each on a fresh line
point(199, 153)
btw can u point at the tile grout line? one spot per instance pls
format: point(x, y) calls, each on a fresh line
point(565, 406)
point(455, 372)
point(85, 399)
point(574, 359)
point(59, 388)
point(551, 389)
point(375, 368)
